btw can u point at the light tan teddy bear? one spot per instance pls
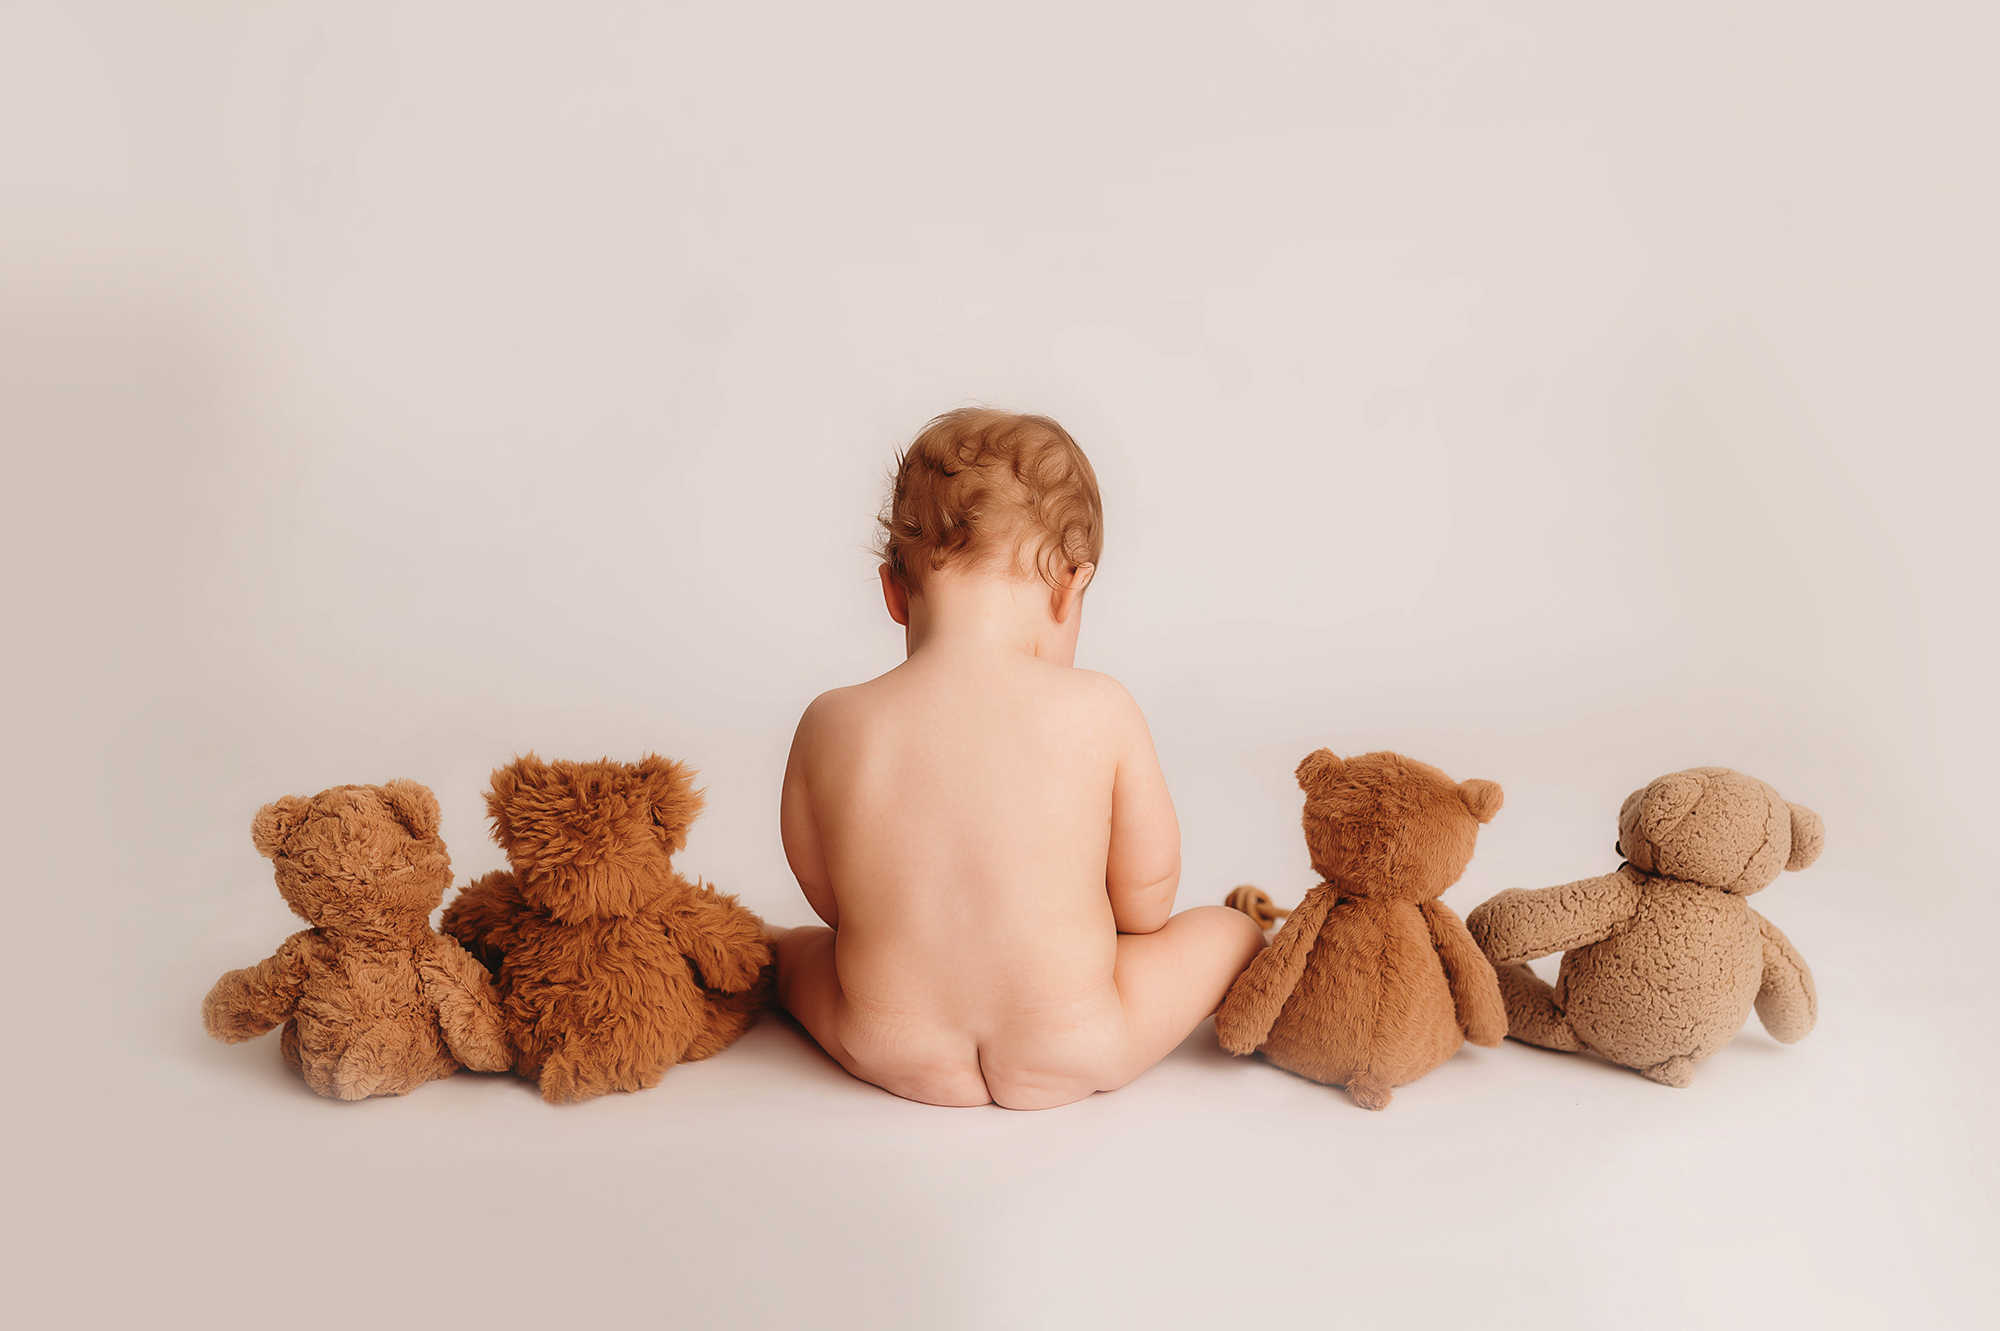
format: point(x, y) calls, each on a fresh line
point(1663, 959)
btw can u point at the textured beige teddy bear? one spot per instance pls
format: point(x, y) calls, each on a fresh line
point(1663, 959)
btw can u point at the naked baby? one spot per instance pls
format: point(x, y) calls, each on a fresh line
point(985, 829)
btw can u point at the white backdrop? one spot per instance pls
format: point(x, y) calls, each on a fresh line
point(1564, 397)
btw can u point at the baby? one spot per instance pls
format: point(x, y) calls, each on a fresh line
point(985, 829)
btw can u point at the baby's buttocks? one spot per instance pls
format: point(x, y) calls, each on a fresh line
point(1027, 1060)
point(913, 1057)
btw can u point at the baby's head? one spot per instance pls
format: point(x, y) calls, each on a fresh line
point(995, 493)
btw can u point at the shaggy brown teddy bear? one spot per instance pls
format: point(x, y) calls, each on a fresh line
point(1373, 981)
point(1663, 960)
point(612, 966)
point(373, 1002)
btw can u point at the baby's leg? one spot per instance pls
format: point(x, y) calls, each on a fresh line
point(1167, 981)
point(809, 987)
point(1170, 979)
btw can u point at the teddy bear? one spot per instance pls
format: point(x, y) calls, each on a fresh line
point(373, 1001)
point(612, 967)
point(1373, 981)
point(1663, 959)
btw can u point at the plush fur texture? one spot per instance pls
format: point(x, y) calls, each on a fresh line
point(612, 966)
point(373, 1002)
point(1373, 981)
point(1664, 959)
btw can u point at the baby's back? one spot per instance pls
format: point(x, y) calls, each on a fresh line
point(964, 816)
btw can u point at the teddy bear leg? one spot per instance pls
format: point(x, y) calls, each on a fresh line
point(568, 1075)
point(1532, 1014)
point(1676, 1071)
point(288, 1045)
point(558, 1081)
point(1369, 1094)
point(377, 1062)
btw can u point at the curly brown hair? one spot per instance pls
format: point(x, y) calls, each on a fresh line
point(976, 477)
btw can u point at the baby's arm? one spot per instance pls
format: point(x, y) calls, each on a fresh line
point(1143, 869)
point(798, 830)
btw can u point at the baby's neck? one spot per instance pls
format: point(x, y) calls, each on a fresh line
point(962, 614)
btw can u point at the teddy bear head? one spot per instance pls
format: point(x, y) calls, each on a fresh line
point(1388, 827)
point(592, 840)
point(1719, 828)
point(356, 856)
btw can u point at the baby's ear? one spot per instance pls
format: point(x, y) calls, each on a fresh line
point(1808, 837)
point(1482, 797)
point(675, 802)
point(275, 823)
point(1317, 768)
point(413, 806)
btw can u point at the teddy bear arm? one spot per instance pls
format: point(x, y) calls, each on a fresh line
point(1787, 1003)
point(725, 942)
point(468, 1011)
point(246, 1003)
point(1253, 1003)
point(1521, 924)
point(484, 915)
point(1475, 989)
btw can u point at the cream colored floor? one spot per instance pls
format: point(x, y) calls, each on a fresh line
point(1846, 1181)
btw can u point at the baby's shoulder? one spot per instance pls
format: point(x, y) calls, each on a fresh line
point(1098, 696)
point(1097, 687)
point(834, 709)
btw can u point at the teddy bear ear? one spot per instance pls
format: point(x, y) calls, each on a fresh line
point(1482, 797)
point(275, 823)
point(669, 788)
point(413, 806)
point(1665, 803)
point(1317, 768)
point(526, 771)
point(504, 784)
point(1808, 837)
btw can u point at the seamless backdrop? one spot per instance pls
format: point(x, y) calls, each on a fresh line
point(1564, 394)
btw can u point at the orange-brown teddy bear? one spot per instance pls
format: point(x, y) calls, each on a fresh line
point(1663, 960)
point(1373, 981)
point(373, 1002)
point(612, 967)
